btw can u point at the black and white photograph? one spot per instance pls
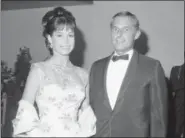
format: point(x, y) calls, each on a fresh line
point(92, 68)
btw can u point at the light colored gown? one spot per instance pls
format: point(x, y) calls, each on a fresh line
point(59, 100)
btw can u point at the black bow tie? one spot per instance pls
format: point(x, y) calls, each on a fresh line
point(123, 57)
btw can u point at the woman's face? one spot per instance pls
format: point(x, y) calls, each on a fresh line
point(62, 40)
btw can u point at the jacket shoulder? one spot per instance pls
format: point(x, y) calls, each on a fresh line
point(100, 61)
point(149, 61)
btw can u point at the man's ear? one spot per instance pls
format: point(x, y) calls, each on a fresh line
point(138, 33)
point(49, 40)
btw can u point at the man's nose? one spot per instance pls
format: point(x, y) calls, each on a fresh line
point(119, 34)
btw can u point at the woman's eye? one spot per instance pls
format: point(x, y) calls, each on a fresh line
point(59, 35)
point(71, 35)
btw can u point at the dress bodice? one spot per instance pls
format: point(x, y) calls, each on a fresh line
point(59, 97)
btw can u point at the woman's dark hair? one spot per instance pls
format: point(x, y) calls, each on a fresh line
point(56, 17)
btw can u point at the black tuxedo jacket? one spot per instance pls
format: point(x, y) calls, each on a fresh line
point(177, 78)
point(177, 87)
point(141, 106)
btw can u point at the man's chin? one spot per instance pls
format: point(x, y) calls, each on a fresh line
point(121, 51)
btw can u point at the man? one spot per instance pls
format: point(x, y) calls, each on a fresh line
point(177, 89)
point(128, 90)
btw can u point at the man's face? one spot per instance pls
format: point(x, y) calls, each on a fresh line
point(124, 33)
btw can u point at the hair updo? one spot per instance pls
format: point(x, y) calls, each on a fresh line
point(55, 18)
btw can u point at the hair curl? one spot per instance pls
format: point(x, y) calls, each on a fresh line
point(56, 17)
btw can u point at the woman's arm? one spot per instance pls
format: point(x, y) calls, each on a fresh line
point(27, 118)
point(32, 84)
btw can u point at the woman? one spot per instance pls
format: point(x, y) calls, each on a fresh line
point(58, 88)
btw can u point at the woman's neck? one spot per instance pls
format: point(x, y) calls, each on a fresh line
point(62, 61)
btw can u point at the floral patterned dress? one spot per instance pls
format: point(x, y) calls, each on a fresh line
point(59, 99)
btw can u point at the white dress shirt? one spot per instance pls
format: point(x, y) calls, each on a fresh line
point(115, 74)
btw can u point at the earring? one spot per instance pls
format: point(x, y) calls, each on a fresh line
point(50, 45)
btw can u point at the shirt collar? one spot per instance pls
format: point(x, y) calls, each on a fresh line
point(130, 53)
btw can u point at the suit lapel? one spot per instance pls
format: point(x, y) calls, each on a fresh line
point(130, 73)
point(106, 99)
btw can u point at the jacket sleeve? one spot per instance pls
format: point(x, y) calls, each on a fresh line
point(159, 103)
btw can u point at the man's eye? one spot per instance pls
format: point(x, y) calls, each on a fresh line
point(126, 29)
point(115, 29)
